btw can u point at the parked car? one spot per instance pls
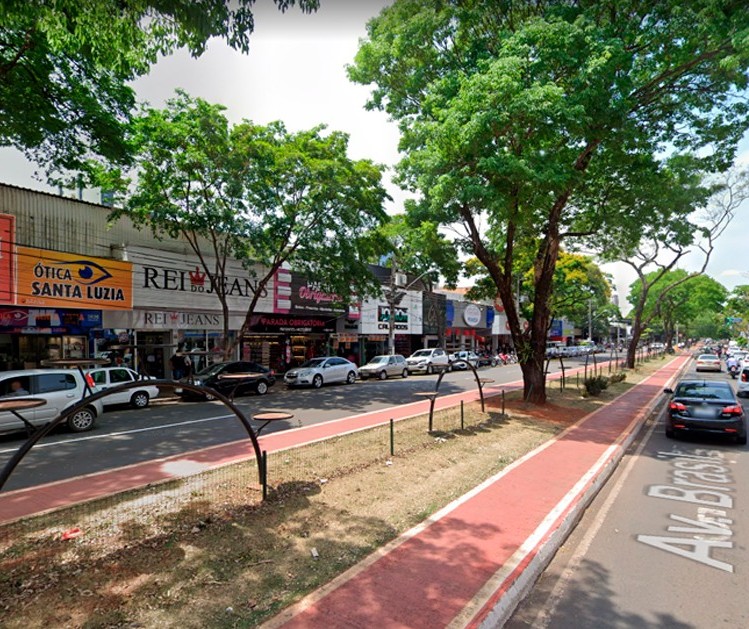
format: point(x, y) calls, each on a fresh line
point(60, 388)
point(384, 366)
point(460, 360)
point(705, 406)
point(425, 360)
point(708, 362)
point(259, 379)
point(316, 372)
point(487, 360)
point(742, 388)
point(108, 377)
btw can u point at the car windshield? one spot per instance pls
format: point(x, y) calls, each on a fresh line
point(704, 391)
point(422, 353)
point(379, 359)
point(314, 362)
point(708, 357)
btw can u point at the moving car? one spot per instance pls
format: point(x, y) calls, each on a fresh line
point(60, 388)
point(425, 360)
point(318, 371)
point(259, 379)
point(705, 406)
point(743, 384)
point(708, 362)
point(108, 377)
point(384, 366)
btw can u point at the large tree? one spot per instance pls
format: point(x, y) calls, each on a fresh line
point(513, 114)
point(65, 67)
point(256, 193)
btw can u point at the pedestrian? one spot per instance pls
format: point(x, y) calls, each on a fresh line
point(177, 363)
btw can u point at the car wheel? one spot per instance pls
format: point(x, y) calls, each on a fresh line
point(405, 373)
point(262, 388)
point(670, 433)
point(741, 440)
point(82, 420)
point(430, 370)
point(139, 399)
point(317, 381)
point(383, 375)
point(209, 397)
point(351, 378)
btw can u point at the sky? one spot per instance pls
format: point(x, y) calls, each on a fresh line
point(295, 72)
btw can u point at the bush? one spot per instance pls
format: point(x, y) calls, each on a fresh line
point(596, 384)
point(617, 377)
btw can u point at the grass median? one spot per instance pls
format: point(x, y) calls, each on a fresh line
point(206, 551)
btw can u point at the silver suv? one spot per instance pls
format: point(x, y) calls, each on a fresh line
point(60, 388)
point(428, 360)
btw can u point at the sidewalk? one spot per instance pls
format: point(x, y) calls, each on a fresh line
point(472, 562)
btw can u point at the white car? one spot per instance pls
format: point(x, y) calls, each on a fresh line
point(110, 377)
point(459, 359)
point(742, 388)
point(318, 371)
point(708, 362)
point(428, 360)
point(59, 388)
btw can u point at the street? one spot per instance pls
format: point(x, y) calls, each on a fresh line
point(663, 545)
point(124, 436)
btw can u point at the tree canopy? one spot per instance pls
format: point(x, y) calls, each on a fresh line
point(65, 67)
point(257, 193)
point(516, 121)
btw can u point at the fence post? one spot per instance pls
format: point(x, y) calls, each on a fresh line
point(461, 415)
point(392, 439)
point(503, 402)
point(265, 474)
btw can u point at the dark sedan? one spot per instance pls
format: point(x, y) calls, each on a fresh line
point(231, 379)
point(705, 406)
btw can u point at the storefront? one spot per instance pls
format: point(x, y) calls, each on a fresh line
point(53, 303)
point(175, 308)
point(469, 326)
point(375, 325)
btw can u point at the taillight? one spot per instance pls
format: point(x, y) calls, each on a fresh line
point(677, 406)
point(90, 381)
point(733, 410)
point(745, 376)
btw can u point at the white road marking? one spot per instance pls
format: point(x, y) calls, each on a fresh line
point(123, 432)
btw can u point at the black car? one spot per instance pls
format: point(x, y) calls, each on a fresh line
point(258, 379)
point(708, 406)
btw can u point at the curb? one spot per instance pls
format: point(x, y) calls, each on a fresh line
point(530, 563)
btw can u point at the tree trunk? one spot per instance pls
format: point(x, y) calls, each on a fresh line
point(534, 382)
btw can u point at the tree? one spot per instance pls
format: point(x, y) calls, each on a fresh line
point(412, 249)
point(259, 194)
point(737, 307)
point(664, 242)
point(512, 118)
point(690, 298)
point(65, 67)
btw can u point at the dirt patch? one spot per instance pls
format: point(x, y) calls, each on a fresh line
point(209, 553)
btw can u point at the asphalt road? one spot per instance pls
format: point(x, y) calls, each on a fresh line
point(665, 544)
point(124, 436)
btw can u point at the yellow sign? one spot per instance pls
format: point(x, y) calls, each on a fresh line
point(52, 278)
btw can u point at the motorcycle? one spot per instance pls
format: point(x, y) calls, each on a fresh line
point(734, 371)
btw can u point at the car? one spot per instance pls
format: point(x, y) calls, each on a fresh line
point(486, 359)
point(705, 406)
point(742, 388)
point(384, 366)
point(316, 372)
point(258, 380)
point(59, 388)
point(428, 360)
point(461, 360)
point(708, 362)
point(109, 377)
